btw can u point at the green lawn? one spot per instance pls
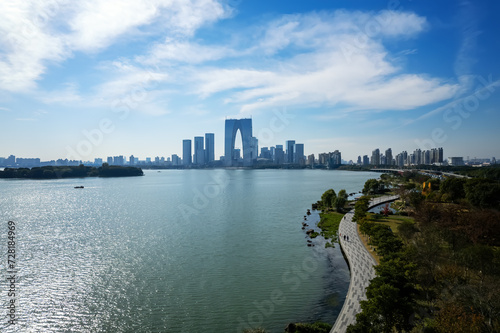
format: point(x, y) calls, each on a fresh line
point(329, 224)
point(392, 221)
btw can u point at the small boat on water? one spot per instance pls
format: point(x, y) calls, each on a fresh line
point(79, 187)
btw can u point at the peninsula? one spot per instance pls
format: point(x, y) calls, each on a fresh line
point(81, 171)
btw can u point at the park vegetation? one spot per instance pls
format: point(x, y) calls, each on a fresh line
point(439, 269)
point(81, 171)
point(332, 207)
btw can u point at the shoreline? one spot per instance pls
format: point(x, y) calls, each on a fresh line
point(361, 266)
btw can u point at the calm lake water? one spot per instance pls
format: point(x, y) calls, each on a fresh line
point(173, 251)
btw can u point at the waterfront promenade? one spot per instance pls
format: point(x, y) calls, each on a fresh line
point(360, 265)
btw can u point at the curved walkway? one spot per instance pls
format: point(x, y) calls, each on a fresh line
point(361, 266)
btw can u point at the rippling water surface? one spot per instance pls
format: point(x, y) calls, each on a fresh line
point(173, 251)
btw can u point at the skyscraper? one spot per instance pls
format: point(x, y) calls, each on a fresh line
point(231, 128)
point(279, 155)
point(290, 151)
point(388, 156)
point(186, 152)
point(199, 151)
point(299, 154)
point(255, 148)
point(375, 157)
point(209, 147)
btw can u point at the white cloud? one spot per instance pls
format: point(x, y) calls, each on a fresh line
point(183, 51)
point(26, 45)
point(34, 34)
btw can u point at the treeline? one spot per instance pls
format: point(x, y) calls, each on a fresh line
point(441, 273)
point(55, 172)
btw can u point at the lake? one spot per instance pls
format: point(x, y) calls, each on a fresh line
point(173, 251)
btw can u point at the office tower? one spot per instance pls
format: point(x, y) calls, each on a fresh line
point(231, 128)
point(175, 160)
point(388, 156)
point(272, 151)
point(359, 162)
point(209, 148)
point(186, 152)
point(299, 154)
point(375, 157)
point(199, 151)
point(366, 160)
point(131, 160)
point(279, 155)
point(456, 161)
point(255, 148)
point(290, 151)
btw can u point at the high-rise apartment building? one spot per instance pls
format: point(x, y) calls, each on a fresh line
point(375, 157)
point(388, 156)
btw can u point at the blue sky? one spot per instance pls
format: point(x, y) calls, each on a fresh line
point(98, 78)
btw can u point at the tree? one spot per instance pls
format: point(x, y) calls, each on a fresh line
point(386, 211)
point(327, 199)
point(360, 208)
point(482, 193)
point(340, 201)
point(453, 188)
point(371, 186)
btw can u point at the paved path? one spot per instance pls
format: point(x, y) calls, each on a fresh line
point(361, 266)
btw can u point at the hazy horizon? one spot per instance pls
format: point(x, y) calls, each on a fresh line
point(136, 78)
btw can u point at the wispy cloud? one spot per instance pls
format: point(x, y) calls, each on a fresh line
point(34, 34)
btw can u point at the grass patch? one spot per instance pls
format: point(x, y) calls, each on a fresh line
point(317, 327)
point(393, 221)
point(314, 234)
point(329, 224)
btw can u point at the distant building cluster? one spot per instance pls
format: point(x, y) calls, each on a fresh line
point(292, 154)
point(434, 156)
point(418, 157)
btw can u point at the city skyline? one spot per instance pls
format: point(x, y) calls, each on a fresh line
point(127, 78)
